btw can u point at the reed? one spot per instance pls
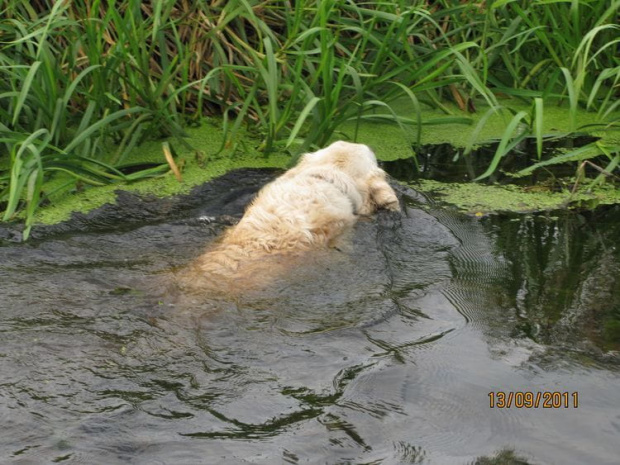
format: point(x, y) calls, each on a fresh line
point(83, 83)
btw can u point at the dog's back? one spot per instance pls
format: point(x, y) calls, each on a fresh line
point(311, 206)
point(292, 214)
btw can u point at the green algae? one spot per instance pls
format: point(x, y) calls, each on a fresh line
point(391, 143)
point(201, 159)
point(478, 199)
point(200, 163)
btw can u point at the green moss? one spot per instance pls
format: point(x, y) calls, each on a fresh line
point(198, 165)
point(390, 143)
point(480, 199)
point(387, 140)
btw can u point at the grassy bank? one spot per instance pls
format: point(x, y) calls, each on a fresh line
point(84, 85)
point(204, 161)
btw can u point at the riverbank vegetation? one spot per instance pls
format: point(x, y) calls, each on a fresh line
point(84, 83)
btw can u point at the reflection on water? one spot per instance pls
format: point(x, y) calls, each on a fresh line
point(565, 277)
point(445, 162)
point(385, 352)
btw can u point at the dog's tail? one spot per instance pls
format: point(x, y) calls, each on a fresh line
point(223, 260)
point(215, 271)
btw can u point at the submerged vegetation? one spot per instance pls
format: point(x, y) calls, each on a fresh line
point(83, 83)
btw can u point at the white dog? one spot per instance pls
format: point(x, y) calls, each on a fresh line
point(309, 207)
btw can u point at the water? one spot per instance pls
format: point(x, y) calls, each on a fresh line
point(385, 352)
point(445, 162)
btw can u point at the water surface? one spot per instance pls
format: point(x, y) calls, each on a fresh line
point(384, 352)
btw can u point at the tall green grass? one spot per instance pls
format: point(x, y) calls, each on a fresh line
point(80, 87)
point(83, 83)
point(336, 62)
point(547, 53)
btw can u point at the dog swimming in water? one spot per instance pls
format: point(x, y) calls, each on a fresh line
point(311, 206)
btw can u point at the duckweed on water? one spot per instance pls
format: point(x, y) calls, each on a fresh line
point(198, 165)
point(479, 199)
point(204, 161)
point(393, 144)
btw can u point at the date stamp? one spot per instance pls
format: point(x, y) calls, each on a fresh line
point(531, 399)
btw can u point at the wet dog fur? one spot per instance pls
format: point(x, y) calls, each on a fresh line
point(311, 206)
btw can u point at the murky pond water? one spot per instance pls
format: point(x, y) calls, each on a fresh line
point(385, 352)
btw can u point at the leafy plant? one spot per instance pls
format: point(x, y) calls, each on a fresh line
point(83, 83)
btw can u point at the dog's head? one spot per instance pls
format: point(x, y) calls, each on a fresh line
point(357, 161)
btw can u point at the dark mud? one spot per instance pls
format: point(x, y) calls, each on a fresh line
point(383, 352)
